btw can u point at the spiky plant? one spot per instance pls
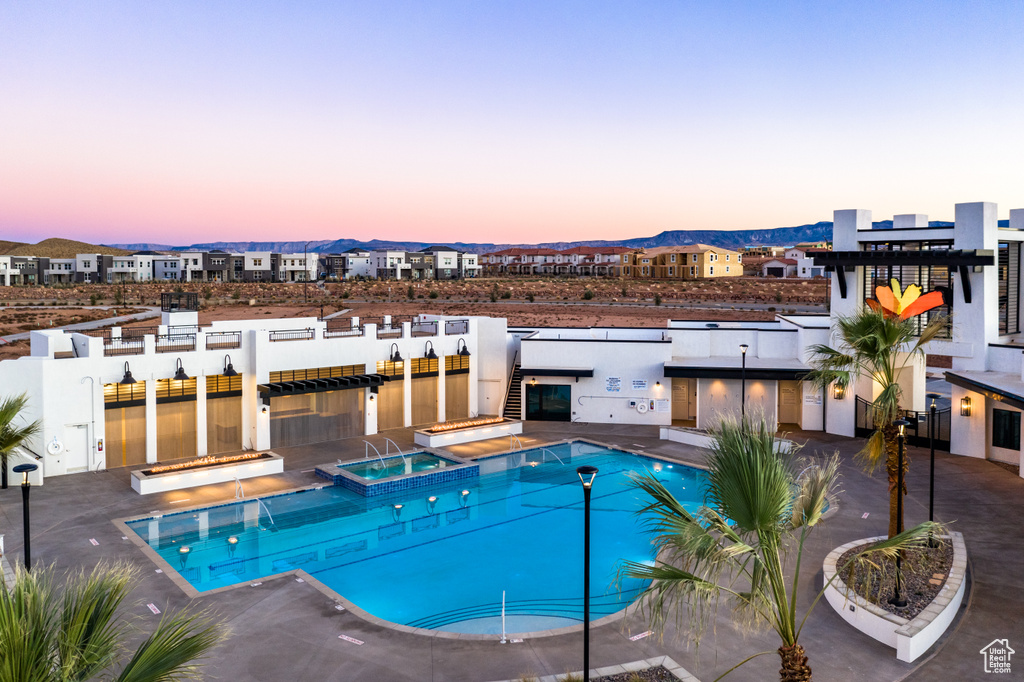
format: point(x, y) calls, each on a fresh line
point(54, 632)
point(880, 346)
point(736, 548)
point(12, 436)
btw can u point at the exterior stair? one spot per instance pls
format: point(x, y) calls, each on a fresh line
point(514, 397)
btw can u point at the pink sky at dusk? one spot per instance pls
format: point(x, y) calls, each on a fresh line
point(497, 122)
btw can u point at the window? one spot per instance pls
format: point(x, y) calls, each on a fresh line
point(625, 258)
point(645, 269)
point(693, 271)
point(1005, 429)
point(671, 270)
point(672, 258)
point(694, 258)
point(726, 256)
point(727, 269)
point(711, 270)
point(625, 270)
point(257, 262)
point(87, 264)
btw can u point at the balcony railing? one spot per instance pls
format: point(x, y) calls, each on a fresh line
point(223, 340)
point(453, 327)
point(389, 332)
point(424, 328)
point(175, 343)
point(341, 327)
point(291, 335)
point(124, 346)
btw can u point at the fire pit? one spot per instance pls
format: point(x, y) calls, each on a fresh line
point(205, 470)
point(467, 431)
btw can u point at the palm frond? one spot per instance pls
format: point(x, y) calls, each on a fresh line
point(171, 652)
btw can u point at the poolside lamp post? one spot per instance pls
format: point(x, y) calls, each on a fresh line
point(587, 475)
point(26, 485)
point(743, 382)
point(931, 470)
point(898, 599)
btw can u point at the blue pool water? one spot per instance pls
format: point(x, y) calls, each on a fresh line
point(397, 465)
point(441, 563)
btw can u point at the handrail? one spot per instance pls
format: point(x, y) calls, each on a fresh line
point(387, 449)
point(266, 509)
point(366, 452)
point(543, 450)
point(513, 439)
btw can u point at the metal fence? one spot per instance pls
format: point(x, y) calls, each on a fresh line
point(223, 340)
point(917, 432)
point(113, 347)
point(291, 335)
point(424, 328)
point(452, 327)
point(175, 343)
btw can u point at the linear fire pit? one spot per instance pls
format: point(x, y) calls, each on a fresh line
point(205, 470)
point(467, 431)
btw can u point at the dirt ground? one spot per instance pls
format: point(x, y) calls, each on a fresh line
point(555, 302)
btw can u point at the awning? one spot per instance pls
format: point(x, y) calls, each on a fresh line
point(557, 371)
point(320, 385)
point(1011, 395)
point(962, 259)
point(765, 373)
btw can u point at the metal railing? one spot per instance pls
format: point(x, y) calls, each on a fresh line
point(131, 346)
point(291, 335)
point(917, 432)
point(175, 343)
point(342, 332)
point(223, 340)
point(138, 332)
point(391, 332)
point(453, 327)
point(424, 328)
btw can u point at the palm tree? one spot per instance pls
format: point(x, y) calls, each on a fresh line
point(758, 512)
point(12, 436)
point(65, 633)
point(880, 345)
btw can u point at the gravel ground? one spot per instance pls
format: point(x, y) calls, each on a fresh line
point(919, 568)
point(655, 674)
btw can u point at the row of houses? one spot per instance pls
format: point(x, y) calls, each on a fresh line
point(693, 261)
point(221, 266)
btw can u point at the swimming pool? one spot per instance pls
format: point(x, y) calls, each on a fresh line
point(397, 465)
point(440, 557)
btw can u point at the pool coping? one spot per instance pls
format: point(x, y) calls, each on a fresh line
point(191, 592)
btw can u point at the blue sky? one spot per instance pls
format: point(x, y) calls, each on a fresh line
point(498, 121)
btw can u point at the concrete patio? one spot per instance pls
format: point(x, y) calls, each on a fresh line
point(288, 630)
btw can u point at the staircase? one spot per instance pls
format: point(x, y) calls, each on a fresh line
point(514, 397)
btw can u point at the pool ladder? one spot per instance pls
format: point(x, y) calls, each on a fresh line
point(240, 495)
point(387, 451)
point(512, 440)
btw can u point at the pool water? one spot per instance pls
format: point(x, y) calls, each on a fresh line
point(441, 557)
point(397, 465)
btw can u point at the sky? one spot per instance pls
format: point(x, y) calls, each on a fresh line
point(494, 121)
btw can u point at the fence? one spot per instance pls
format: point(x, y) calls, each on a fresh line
point(291, 335)
point(223, 340)
point(175, 343)
point(424, 328)
point(452, 327)
point(916, 432)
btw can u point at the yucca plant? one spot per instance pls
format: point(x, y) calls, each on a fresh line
point(878, 345)
point(70, 631)
point(761, 502)
point(12, 436)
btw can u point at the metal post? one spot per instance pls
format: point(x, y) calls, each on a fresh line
point(931, 470)
point(587, 475)
point(743, 384)
point(305, 273)
point(25, 470)
point(898, 599)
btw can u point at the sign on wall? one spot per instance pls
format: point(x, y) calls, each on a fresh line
point(639, 384)
point(662, 405)
point(613, 384)
point(813, 399)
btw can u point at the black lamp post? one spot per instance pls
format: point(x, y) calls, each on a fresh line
point(305, 274)
point(25, 470)
point(743, 383)
point(587, 475)
point(898, 599)
point(931, 470)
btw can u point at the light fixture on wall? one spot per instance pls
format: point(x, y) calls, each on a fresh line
point(657, 384)
point(128, 378)
point(395, 355)
point(838, 391)
point(428, 351)
point(229, 369)
point(464, 351)
point(179, 372)
point(533, 381)
point(264, 409)
point(965, 406)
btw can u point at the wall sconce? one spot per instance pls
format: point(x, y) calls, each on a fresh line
point(533, 381)
point(264, 409)
point(838, 391)
point(128, 378)
point(179, 372)
point(229, 369)
point(657, 384)
point(395, 355)
point(373, 397)
point(464, 351)
point(965, 406)
point(429, 351)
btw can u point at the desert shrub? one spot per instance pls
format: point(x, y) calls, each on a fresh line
point(433, 293)
point(588, 294)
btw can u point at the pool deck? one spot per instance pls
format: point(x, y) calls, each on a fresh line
point(284, 629)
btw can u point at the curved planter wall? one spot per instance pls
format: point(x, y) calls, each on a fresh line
point(910, 638)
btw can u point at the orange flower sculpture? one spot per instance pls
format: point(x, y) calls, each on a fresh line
point(904, 305)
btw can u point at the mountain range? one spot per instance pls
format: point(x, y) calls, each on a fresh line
point(728, 239)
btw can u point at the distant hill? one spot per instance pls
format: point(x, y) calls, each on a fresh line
point(728, 239)
point(57, 248)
